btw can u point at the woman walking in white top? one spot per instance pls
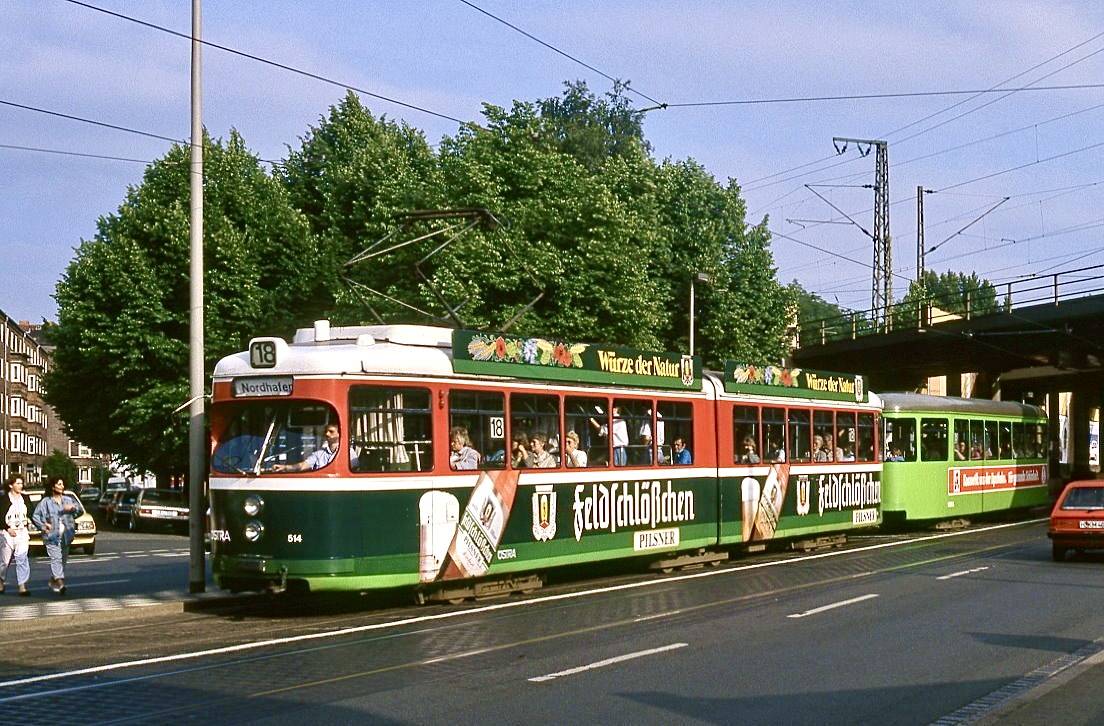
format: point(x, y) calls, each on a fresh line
point(15, 507)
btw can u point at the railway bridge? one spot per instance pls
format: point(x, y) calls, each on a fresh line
point(1047, 338)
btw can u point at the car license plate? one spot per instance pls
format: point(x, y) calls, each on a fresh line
point(1091, 524)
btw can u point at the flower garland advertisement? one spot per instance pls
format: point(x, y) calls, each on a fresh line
point(773, 380)
point(560, 360)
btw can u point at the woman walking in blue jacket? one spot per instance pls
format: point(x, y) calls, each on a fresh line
point(54, 516)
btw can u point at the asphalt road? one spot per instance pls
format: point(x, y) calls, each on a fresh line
point(124, 564)
point(940, 629)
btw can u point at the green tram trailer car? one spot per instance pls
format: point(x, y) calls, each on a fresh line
point(451, 457)
point(949, 458)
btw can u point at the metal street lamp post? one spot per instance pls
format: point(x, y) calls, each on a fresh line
point(699, 277)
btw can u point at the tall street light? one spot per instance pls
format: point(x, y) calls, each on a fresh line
point(699, 277)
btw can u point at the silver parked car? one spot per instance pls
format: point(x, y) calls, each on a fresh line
point(159, 508)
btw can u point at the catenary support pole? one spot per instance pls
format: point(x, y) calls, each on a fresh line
point(197, 459)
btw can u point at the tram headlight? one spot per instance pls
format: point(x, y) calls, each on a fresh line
point(254, 530)
point(253, 505)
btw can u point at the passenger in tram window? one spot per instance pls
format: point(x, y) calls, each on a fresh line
point(894, 455)
point(750, 456)
point(331, 443)
point(849, 455)
point(539, 457)
point(682, 454)
point(646, 437)
point(519, 455)
point(975, 452)
point(960, 451)
point(461, 455)
point(776, 452)
point(620, 436)
point(819, 453)
point(835, 453)
point(574, 457)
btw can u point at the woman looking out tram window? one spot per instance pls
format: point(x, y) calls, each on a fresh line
point(461, 455)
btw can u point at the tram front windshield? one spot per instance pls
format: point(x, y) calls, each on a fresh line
point(260, 436)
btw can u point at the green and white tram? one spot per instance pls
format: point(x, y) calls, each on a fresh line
point(398, 455)
point(951, 457)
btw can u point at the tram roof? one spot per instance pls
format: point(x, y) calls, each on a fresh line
point(421, 350)
point(387, 349)
point(906, 402)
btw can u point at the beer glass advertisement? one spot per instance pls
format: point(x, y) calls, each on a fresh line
point(785, 503)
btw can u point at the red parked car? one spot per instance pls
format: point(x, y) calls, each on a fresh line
point(1077, 520)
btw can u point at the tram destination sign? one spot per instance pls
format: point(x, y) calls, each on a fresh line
point(259, 386)
point(797, 382)
point(558, 360)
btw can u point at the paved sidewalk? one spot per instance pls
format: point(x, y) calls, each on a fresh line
point(11, 609)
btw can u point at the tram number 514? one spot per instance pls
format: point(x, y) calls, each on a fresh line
point(295, 537)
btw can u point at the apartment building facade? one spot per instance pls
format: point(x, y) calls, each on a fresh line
point(29, 431)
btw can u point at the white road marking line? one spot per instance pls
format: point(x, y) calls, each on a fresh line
point(662, 582)
point(833, 606)
point(962, 572)
point(94, 583)
point(456, 656)
point(608, 662)
point(668, 614)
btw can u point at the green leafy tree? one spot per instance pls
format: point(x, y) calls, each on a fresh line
point(602, 237)
point(820, 320)
point(58, 464)
point(591, 129)
point(952, 292)
point(121, 362)
point(352, 177)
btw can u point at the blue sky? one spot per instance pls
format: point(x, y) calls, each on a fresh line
point(1041, 148)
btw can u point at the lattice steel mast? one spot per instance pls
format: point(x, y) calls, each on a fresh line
point(881, 298)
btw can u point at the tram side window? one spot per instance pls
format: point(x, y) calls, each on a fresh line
point(933, 439)
point(824, 427)
point(391, 428)
point(1019, 440)
point(635, 414)
point(961, 442)
point(977, 440)
point(800, 432)
point(482, 415)
point(745, 435)
point(1037, 437)
point(864, 450)
point(650, 438)
point(1005, 442)
point(990, 444)
point(578, 414)
point(536, 417)
point(774, 434)
point(847, 436)
point(675, 423)
point(899, 439)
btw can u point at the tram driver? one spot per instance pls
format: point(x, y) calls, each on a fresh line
point(322, 457)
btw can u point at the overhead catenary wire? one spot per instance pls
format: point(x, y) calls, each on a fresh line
point(266, 61)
